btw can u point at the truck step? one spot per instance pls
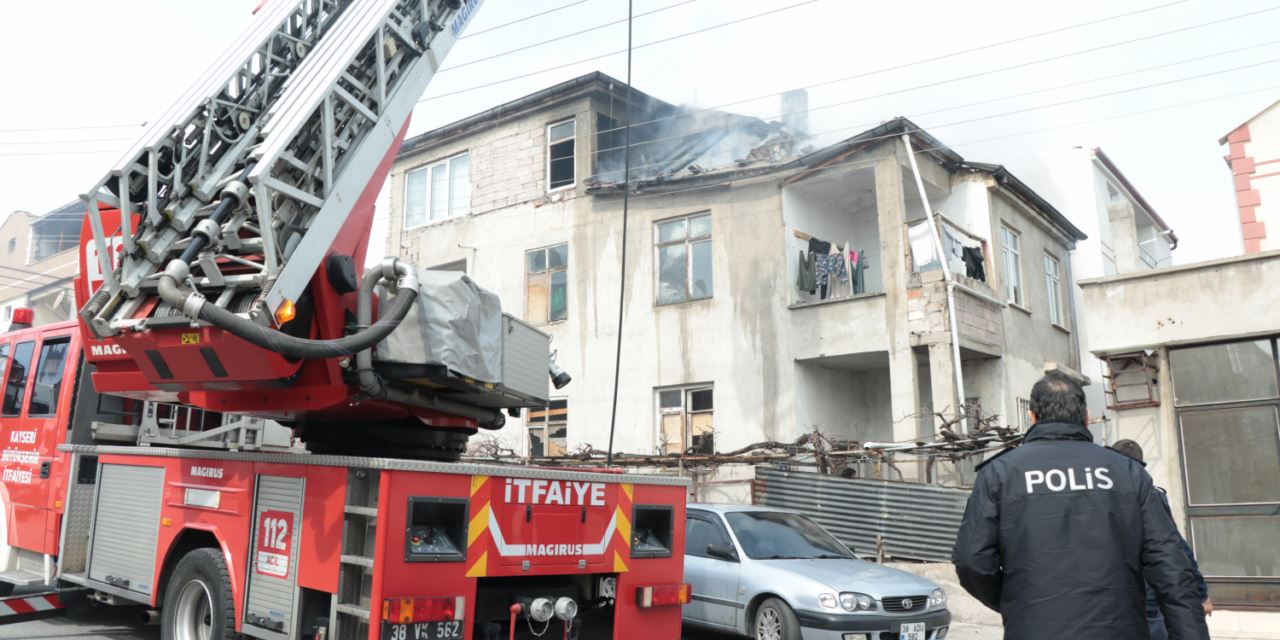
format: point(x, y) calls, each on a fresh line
point(21, 577)
point(29, 604)
point(359, 561)
point(352, 610)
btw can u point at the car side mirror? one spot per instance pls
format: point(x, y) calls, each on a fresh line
point(722, 552)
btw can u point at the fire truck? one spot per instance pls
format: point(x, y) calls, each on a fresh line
point(247, 438)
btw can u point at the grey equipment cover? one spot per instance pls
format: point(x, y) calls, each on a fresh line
point(454, 323)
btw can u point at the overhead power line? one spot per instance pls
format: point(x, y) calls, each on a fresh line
point(1019, 65)
point(78, 141)
point(621, 51)
point(78, 128)
point(504, 25)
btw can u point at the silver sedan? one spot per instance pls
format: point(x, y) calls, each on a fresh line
point(777, 575)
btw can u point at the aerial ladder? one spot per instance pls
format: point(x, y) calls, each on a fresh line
point(226, 243)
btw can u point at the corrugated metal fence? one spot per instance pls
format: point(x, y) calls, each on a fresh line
point(918, 522)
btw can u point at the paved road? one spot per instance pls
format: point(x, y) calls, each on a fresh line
point(103, 623)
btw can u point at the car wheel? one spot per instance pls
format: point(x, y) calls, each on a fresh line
point(197, 603)
point(776, 621)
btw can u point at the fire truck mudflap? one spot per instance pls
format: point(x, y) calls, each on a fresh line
point(358, 548)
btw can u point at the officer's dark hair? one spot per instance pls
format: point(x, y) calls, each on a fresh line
point(1129, 448)
point(1057, 398)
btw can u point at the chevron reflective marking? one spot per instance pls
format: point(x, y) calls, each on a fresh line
point(29, 604)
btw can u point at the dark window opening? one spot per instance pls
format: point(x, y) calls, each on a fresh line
point(16, 384)
point(50, 369)
point(651, 537)
point(560, 154)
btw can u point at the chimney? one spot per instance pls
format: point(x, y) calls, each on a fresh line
point(795, 112)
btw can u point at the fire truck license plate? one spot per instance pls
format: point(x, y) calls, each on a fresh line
point(451, 630)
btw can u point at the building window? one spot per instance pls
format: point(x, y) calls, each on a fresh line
point(437, 192)
point(685, 420)
point(13, 245)
point(560, 154)
point(1024, 414)
point(545, 284)
point(1227, 400)
point(549, 430)
point(1053, 289)
point(1011, 251)
point(1133, 381)
point(683, 247)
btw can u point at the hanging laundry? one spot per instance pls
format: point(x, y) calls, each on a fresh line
point(807, 280)
point(921, 244)
point(819, 247)
point(855, 263)
point(974, 263)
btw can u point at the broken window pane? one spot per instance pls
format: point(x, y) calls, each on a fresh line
point(701, 277)
point(1223, 372)
point(560, 150)
point(670, 399)
point(700, 226)
point(536, 261)
point(671, 274)
point(559, 306)
point(536, 437)
point(672, 231)
point(558, 256)
point(1237, 546)
point(557, 440)
point(700, 400)
point(415, 198)
point(1232, 455)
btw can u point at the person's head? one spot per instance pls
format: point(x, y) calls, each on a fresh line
point(1129, 448)
point(1057, 398)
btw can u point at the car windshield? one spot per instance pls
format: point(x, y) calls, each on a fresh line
point(770, 535)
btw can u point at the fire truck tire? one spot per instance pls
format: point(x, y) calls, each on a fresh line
point(198, 602)
point(775, 621)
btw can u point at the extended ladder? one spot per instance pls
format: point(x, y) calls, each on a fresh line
point(303, 107)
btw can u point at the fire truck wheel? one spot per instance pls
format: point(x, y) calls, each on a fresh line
point(776, 621)
point(197, 602)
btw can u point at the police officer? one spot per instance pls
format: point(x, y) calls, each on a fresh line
point(1060, 535)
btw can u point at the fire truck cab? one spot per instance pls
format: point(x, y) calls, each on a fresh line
point(279, 544)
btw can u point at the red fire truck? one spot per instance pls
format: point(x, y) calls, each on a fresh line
point(242, 433)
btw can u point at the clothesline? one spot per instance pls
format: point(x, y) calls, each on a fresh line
point(828, 269)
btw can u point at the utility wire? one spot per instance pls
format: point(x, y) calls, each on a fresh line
point(1002, 98)
point(621, 51)
point(971, 76)
point(67, 141)
point(81, 128)
point(519, 20)
point(565, 36)
point(622, 267)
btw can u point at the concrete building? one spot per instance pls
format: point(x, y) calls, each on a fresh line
point(728, 338)
point(1254, 158)
point(37, 263)
point(1193, 357)
point(1126, 235)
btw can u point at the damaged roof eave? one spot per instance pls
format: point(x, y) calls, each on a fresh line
point(833, 154)
point(1020, 189)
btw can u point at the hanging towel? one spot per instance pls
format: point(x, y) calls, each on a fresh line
point(921, 244)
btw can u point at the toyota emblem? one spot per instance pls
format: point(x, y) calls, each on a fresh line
point(906, 603)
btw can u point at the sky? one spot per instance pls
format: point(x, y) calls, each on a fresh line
point(77, 68)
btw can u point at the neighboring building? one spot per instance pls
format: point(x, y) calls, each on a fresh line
point(1193, 355)
point(37, 263)
point(722, 346)
point(1254, 158)
point(1126, 235)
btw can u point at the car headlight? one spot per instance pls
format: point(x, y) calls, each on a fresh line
point(857, 601)
point(827, 600)
point(937, 599)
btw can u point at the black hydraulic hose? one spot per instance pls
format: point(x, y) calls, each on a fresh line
point(228, 204)
point(393, 312)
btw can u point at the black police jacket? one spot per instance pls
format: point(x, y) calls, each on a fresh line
point(1059, 535)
